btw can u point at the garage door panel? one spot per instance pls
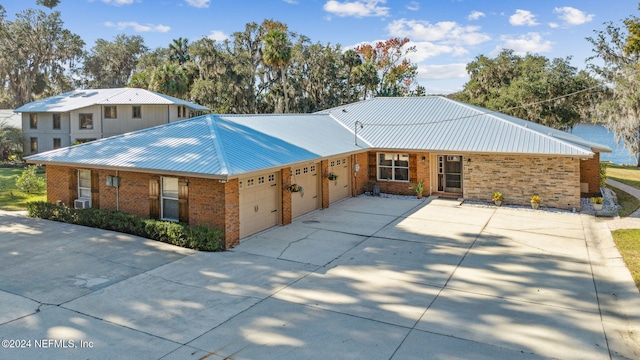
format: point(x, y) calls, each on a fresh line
point(258, 204)
point(339, 189)
point(306, 200)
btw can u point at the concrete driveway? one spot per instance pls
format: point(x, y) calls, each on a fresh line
point(369, 278)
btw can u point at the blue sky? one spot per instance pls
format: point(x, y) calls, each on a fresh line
point(447, 33)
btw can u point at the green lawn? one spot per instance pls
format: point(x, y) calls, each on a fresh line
point(627, 240)
point(628, 243)
point(629, 175)
point(628, 203)
point(10, 197)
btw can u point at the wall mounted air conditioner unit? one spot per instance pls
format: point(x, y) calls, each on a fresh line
point(82, 203)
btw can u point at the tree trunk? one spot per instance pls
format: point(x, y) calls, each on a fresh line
point(284, 88)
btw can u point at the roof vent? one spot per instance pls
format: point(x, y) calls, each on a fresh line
point(344, 110)
point(90, 94)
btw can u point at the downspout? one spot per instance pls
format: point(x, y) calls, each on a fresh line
point(101, 121)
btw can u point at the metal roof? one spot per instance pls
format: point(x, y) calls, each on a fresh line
point(78, 99)
point(436, 123)
point(214, 145)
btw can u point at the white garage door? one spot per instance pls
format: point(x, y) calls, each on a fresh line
point(306, 200)
point(258, 203)
point(339, 188)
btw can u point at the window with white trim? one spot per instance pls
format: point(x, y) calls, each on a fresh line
point(33, 121)
point(393, 167)
point(84, 184)
point(56, 121)
point(169, 198)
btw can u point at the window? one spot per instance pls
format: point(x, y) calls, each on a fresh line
point(57, 143)
point(297, 172)
point(260, 180)
point(137, 112)
point(250, 183)
point(33, 121)
point(110, 112)
point(56, 121)
point(86, 121)
point(34, 145)
point(394, 167)
point(313, 168)
point(272, 178)
point(170, 198)
point(84, 184)
point(82, 141)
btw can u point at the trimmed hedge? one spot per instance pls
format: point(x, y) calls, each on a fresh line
point(180, 234)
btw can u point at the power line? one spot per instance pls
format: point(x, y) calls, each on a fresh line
point(481, 113)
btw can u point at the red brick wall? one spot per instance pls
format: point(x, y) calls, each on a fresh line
point(361, 177)
point(58, 185)
point(417, 171)
point(231, 205)
point(285, 175)
point(590, 173)
point(324, 189)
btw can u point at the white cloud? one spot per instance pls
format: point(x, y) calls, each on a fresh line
point(527, 43)
point(475, 15)
point(439, 72)
point(426, 50)
point(198, 3)
point(218, 35)
point(119, 2)
point(573, 16)
point(138, 27)
point(447, 32)
point(293, 2)
point(413, 6)
point(522, 18)
point(554, 25)
point(358, 8)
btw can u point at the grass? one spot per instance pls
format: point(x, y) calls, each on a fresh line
point(629, 175)
point(627, 242)
point(10, 197)
point(628, 203)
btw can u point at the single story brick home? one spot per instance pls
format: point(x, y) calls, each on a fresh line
point(246, 173)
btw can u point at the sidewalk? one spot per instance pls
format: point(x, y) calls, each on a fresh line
point(633, 220)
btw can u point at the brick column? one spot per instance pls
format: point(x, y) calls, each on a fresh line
point(231, 214)
point(324, 189)
point(285, 175)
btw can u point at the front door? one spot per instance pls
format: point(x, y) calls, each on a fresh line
point(450, 173)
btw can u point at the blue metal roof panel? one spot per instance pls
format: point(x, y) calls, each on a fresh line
point(185, 146)
point(215, 145)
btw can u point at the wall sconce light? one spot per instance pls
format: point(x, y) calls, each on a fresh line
point(468, 161)
point(424, 160)
point(222, 181)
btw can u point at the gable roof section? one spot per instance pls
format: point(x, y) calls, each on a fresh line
point(78, 99)
point(213, 145)
point(437, 123)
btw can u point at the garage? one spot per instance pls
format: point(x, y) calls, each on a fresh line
point(258, 203)
point(339, 187)
point(307, 200)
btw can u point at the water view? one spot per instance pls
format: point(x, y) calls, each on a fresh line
point(599, 134)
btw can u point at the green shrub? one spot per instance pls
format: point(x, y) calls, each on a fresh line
point(180, 234)
point(603, 174)
point(29, 181)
